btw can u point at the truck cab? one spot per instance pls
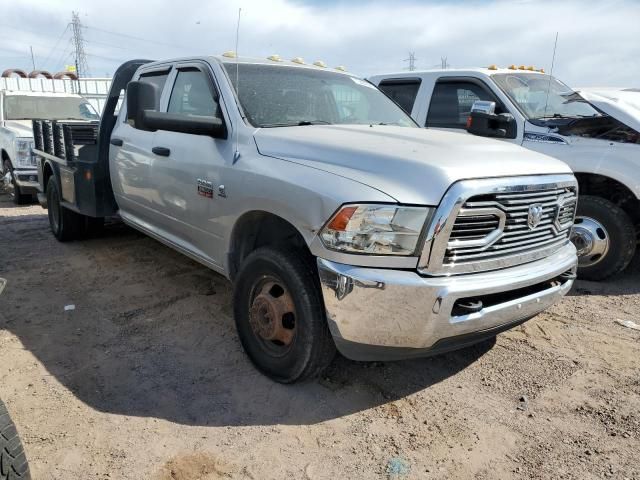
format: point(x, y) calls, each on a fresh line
point(598, 137)
point(17, 110)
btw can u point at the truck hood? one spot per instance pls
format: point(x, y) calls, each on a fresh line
point(412, 165)
point(21, 128)
point(621, 105)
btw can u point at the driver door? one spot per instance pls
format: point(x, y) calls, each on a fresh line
point(190, 168)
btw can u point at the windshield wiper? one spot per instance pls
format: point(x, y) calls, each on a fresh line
point(301, 123)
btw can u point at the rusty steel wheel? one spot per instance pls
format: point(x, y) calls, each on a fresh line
point(279, 314)
point(272, 315)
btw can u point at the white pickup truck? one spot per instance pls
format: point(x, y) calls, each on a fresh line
point(17, 110)
point(596, 134)
point(338, 220)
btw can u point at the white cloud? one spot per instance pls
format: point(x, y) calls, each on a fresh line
point(598, 41)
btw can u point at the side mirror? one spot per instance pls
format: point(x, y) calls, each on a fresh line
point(193, 124)
point(483, 121)
point(141, 96)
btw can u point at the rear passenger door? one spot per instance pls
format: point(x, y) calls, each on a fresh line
point(190, 168)
point(133, 160)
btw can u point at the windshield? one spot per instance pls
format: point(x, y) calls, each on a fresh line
point(529, 92)
point(27, 107)
point(276, 96)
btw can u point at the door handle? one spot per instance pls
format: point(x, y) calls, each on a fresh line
point(162, 151)
point(116, 141)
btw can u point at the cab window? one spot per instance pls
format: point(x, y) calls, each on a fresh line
point(402, 91)
point(157, 79)
point(451, 103)
point(192, 95)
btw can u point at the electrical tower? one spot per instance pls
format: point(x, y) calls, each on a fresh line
point(82, 67)
point(443, 63)
point(412, 61)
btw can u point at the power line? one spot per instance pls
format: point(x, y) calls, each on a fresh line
point(44, 64)
point(173, 45)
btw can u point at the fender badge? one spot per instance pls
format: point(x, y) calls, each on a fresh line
point(205, 188)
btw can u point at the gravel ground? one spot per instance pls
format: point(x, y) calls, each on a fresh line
point(146, 379)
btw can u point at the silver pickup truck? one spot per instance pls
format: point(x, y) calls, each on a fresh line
point(338, 220)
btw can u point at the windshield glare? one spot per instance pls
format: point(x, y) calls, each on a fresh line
point(273, 96)
point(529, 91)
point(26, 107)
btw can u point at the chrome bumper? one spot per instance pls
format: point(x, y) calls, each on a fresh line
point(26, 179)
point(375, 314)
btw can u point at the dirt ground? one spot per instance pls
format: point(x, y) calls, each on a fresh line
point(146, 379)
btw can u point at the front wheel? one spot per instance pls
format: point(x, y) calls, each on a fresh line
point(604, 237)
point(280, 316)
point(18, 197)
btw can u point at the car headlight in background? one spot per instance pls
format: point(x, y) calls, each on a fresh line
point(375, 229)
point(24, 157)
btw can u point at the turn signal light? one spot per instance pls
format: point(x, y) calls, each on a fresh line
point(341, 220)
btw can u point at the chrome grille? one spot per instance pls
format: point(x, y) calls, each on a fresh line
point(480, 237)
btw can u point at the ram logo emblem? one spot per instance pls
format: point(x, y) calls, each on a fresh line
point(535, 215)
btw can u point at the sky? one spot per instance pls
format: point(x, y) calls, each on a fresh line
point(598, 41)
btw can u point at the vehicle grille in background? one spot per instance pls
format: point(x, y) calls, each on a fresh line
point(558, 210)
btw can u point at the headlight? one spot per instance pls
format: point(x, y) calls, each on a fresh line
point(24, 158)
point(375, 229)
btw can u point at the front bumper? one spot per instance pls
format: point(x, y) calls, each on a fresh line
point(27, 180)
point(380, 314)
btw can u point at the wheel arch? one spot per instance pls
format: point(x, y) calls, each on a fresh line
point(611, 189)
point(47, 172)
point(258, 228)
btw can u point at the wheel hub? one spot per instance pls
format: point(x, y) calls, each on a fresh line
point(272, 314)
point(591, 240)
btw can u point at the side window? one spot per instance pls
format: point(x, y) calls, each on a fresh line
point(158, 79)
point(451, 103)
point(403, 92)
point(191, 95)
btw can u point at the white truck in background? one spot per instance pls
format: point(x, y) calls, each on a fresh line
point(596, 133)
point(17, 110)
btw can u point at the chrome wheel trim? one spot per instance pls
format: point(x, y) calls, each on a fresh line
point(591, 240)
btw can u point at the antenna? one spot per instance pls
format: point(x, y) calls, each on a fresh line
point(553, 61)
point(236, 154)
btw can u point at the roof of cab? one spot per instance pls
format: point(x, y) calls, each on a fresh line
point(455, 71)
point(253, 61)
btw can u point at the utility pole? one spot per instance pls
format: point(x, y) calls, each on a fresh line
point(82, 68)
point(412, 61)
point(33, 60)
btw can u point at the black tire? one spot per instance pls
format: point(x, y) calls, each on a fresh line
point(13, 461)
point(312, 348)
point(18, 197)
point(65, 224)
point(621, 234)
